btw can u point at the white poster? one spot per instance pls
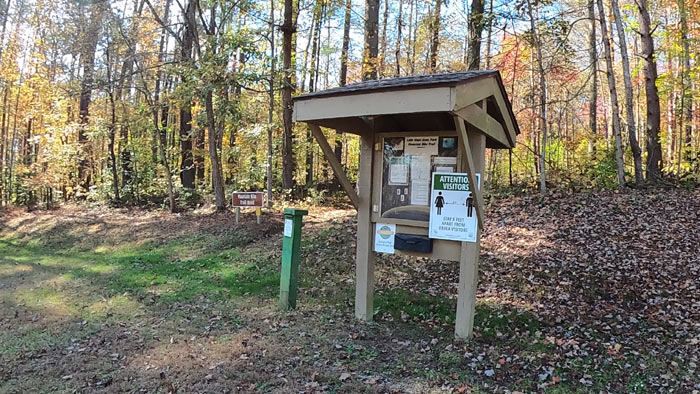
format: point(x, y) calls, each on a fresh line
point(287, 227)
point(452, 211)
point(384, 238)
point(421, 146)
point(420, 180)
point(398, 171)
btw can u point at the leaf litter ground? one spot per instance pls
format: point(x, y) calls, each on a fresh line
point(584, 293)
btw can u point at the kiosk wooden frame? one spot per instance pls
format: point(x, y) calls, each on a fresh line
point(472, 106)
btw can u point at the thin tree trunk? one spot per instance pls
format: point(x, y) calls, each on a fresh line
point(543, 98)
point(271, 110)
point(615, 108)
point(476, 27)
point(435, 36)
point(629, 106)
point(371, 46)
point(187, 169)
point(411, 39)
point(382, 58)
point(488, 35)
point(399, 27)
point(343, 72)
point(593, 93)
point(288, 31)
point(685, 143)
point(653, 164)
point(89, 46)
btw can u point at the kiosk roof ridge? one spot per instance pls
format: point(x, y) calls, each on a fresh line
point(412, 81)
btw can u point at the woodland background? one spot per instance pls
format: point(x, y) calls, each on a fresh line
point(166, 102)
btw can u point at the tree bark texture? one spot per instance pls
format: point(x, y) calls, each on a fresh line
point(614, 105)
point(653, 164)
point(629, 105)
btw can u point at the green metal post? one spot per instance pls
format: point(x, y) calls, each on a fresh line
point(291, 246)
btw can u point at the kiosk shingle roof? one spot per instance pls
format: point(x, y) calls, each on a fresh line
point(403, 82)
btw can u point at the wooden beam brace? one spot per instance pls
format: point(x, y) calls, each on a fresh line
point(335, 164)
point(471, 173)
point(479, 118)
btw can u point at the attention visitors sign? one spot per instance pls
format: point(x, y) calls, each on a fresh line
point(452, 211)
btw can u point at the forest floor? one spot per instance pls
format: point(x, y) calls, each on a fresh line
point(589, 292)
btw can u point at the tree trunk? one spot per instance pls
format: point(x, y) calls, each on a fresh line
point(435, 36)
point(93, 23)
point(217, 177)
point(3, 144)
point(399, 27)
point(370, 49)
point(629, 106)
point(653, 164)
point(476, 27)
point(489, 27)
point(593, 93)
point(313, 73)
point(685, 142)
point(112, 127)
point(382, 58)
point(271, 110)
point(615, 107)
point(543, 98)
point(288, 31)
point(187, 169)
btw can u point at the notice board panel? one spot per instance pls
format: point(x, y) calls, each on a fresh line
point(408, 162)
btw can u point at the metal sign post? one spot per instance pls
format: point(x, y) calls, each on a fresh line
point(291, 246)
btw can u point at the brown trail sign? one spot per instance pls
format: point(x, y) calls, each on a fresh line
point(248, 200)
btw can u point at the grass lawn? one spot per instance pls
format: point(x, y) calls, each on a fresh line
point(135, 301)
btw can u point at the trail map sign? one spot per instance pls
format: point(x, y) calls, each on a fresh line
point(247, 199)
point(452, 212)
point(384, 238)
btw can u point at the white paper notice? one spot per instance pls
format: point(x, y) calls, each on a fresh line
point(384, 238)
point(419, 146)
point(447, 161)
point(398, 173)
point(420, 180)
point(287, 227)
point(444, 169)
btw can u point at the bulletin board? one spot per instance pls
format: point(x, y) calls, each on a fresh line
point(408, 163)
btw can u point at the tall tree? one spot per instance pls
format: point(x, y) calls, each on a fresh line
point(629, 106)
point(288, 31)
point(93, 18)
point(435, 36)
point(614, 105)
point(399, 37)
point(543, 94)
point(271, 110)
point(653, 122)
point(187, 170)
point(476, 28)
point(371, 48)
point(685, 143)
point(593, 60)
point(343, 79)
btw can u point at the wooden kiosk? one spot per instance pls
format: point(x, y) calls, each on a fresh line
point(410, 128)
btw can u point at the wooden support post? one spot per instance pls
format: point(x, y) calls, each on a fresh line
point(469, 254)
point(335, 164)
point(238, 213)
point(364, 260)
point(470, 164)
